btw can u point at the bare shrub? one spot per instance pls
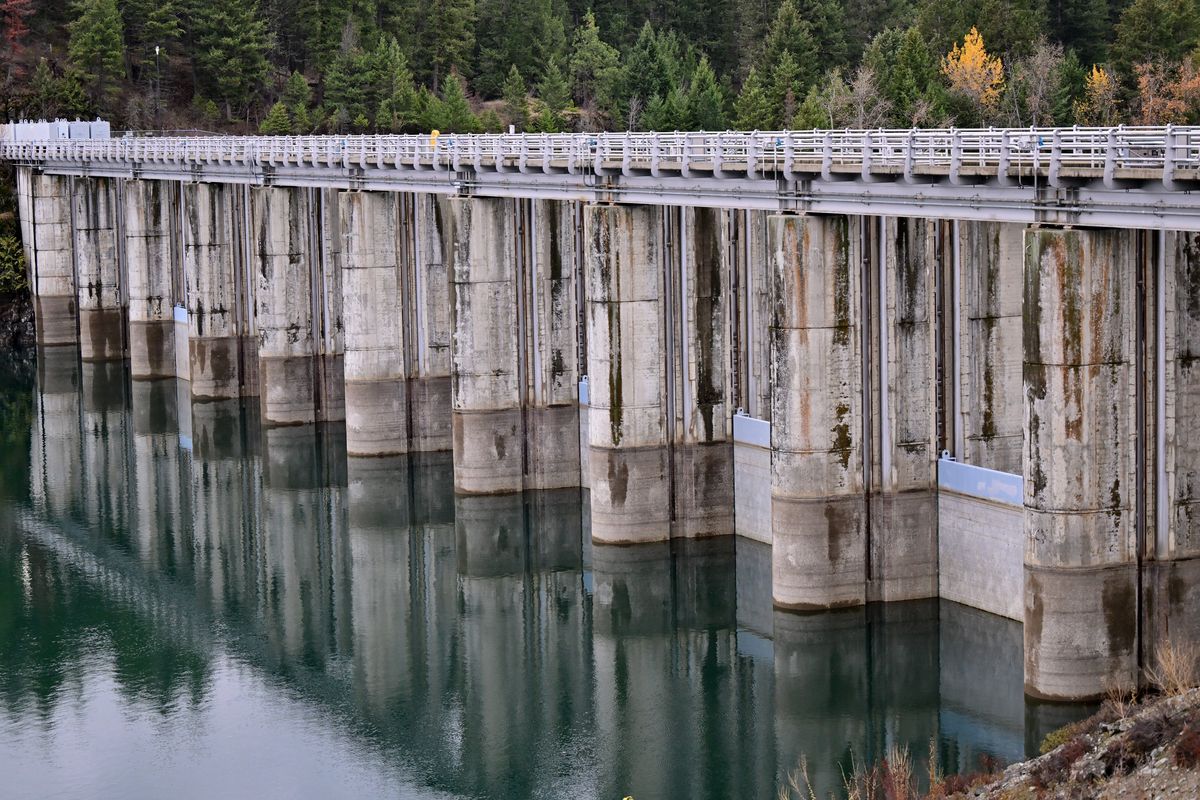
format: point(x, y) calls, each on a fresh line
point(1176, 668)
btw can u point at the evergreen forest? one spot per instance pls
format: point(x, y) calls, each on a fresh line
point(379, 66)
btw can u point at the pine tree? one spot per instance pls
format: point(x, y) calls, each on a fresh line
point(297, 93)
point(791, 34)
point(827, 24)
point(786, 90)
point(1155, 30)
point(277, 122)
point(448, 38)
point(458, 117)
point(1011, 27)
point(350, 87)
point(229, 52)
point(554, 97)
point(653, 67)
point(752, 110)
point(516, 99)
point(96, 48)
point(705, 100)
point(397, 98)
point(595, 69)
point(1082, 26)
point(668, 113)
point(909, 76)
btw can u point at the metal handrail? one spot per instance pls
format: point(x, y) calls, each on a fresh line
point(1162, 150)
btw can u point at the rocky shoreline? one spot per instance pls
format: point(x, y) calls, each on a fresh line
point(1148, 750)
point(17, 338)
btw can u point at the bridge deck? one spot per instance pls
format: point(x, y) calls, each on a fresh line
point(1122, 177)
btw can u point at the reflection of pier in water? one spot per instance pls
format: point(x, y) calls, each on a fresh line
point(482, 632)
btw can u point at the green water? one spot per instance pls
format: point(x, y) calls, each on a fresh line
point(193, 606)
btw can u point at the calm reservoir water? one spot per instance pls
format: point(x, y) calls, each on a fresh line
point(193, 606)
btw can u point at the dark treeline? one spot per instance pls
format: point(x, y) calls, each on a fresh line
point(304, 66)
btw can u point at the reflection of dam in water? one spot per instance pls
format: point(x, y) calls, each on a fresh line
point(484, 644)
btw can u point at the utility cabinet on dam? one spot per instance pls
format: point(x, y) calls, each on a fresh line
point(901, 405)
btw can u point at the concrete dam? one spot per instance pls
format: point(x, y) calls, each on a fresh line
point(915, 364)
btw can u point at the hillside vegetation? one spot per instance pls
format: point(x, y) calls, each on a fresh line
point(304, 66)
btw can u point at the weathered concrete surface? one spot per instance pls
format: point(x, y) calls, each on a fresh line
point(628, 474)
point(992, 409)
point(46, 219)
point(376, 391)
point(211, 270)
point(903, 519)
point(150, 216)
point(98, 270)
point(552, 415)
point(1080, 576)
point(816, 473)
point(1172, 579)
point(701, 423)
point(281, 220)
point(330, 345)
point(488, 424)
point(433, 232)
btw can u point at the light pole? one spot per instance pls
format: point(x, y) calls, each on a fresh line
point(157, 85)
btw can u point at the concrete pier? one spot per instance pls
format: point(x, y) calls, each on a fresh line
point(991, 267)
point(1172, 579)
point(214, 292)
point(46, 202)
point(330, 329)
point(1081, 592)
point(551, 326)
point(98, 270)
point(281, 220)
point(151, 216)
point(701, 429)
point(489, 430)
point(377, 420)
point(627, 459)
point(902, 536)
point(891, 407)
point(816, 432)
point(430, 314)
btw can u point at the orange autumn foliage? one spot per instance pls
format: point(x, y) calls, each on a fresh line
point(973, 72)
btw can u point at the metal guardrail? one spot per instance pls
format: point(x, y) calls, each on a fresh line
point(1104, 153)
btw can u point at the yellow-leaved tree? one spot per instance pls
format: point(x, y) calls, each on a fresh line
point(1098, 106)
point(974, 73)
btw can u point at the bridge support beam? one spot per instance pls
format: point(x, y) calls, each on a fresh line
point(489, 430)
point(376, 390)
point(903, 559)
point(217, 293)
point(150, 217)
point(431, 223)
point(97, 265)
point(991, 268)
point(628, 459)
point(1081, 586)
point(550, 333)
point(284, 262)
point(816, 433)
point(702, 437)
point(1172, 579)
point(46, 218)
